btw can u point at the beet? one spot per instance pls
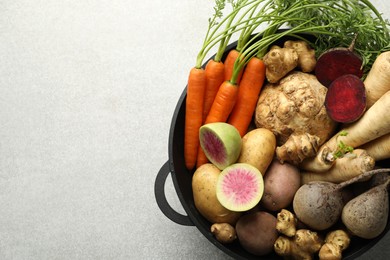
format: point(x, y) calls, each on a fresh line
point(337, 62)
point(319, 204)
point(345, 100)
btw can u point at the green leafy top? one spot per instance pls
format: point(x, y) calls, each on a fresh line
point(342, 149)
point(334, 23)
point(350, 18)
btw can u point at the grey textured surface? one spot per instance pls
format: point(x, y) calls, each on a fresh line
point(87, 93)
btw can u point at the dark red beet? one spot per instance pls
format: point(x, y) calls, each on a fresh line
point(338, 62)
point(345, 99)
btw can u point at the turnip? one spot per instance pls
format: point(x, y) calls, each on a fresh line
point(319, 204)
point(366, 215)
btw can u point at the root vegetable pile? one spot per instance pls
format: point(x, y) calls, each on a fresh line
point(276, 128)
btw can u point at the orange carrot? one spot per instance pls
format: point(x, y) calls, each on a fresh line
point(193, 115)
point(229, 65)
point(220, 110)
point(214, 78)
point(248, 94)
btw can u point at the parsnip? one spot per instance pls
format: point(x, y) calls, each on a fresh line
point(374, 123)
point(343, 169)
point(377, 81)
point(379, 148)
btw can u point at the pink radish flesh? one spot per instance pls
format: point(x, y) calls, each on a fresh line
point(335, 63)
point(345, 100)
point(215, 147)
point(240, 187)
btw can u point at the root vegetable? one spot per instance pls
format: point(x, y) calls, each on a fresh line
point(343, 169)
point(193, 115)
point(335, 242)
point(306, 55)
point(338, 237)
point(219, 111)
point(366, 215)
point(214, 71)
point(379, 148)
point(337, 62)
point(223, 232)
point(302, 246)
point(345, 100)
point(258, 149)
point(373, 124)
point(221, 143)
point(319, 204)
point(279, 62)
point(281, 181)
point(248, 93)
point(286, 223)
point(294, 106)
point(377, 82)
point(257, 233)
point(330, 251)
point(204, 183)
point(297, 148)
point(240, 187)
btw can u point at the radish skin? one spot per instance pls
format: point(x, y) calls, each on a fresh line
point(377, 81)
point(343, 169)
point(379, 148)
point(374, 123)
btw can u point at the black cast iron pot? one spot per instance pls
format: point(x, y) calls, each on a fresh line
point(182, 180)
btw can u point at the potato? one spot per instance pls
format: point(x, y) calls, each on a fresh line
point(281, 182)
point(204, 183)
point(258, 148)
point(257, 232)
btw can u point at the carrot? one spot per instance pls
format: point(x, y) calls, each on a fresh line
point(379, 148)
point(373, 124)
point(214, 78)
point(193, 115)
point(223, 103)
point(377, 81)
point(248, 94)
point(220, 110)
point(344, 169)
point(229, 65)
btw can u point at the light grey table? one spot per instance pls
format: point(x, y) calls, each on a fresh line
point(87, 93)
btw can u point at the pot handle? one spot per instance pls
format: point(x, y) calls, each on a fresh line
point(159, 192)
